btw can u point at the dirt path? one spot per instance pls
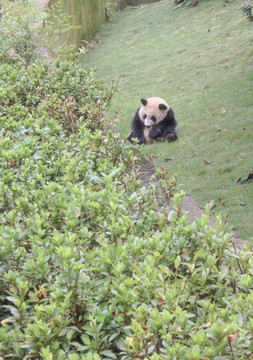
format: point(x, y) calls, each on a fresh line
point(189, 205)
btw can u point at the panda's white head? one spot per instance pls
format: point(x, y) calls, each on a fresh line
point(153, 110)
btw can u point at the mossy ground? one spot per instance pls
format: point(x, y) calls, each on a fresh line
point(200, 59)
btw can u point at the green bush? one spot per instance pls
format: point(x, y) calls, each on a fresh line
point(246, 7)
point(65, 93)
point(91, 266)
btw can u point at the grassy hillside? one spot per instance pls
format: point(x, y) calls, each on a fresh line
point(201, 61)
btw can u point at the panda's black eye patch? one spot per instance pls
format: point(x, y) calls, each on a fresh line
point(153, 118)
point(144, 116)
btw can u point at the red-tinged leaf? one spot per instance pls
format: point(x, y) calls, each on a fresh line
point(160, 302)
point(35, 352)
point(232, 339)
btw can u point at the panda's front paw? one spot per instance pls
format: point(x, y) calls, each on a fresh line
point(141, 141)
point(170, 137)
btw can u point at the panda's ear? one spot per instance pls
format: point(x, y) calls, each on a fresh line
point(144, 102)
point(162, 107)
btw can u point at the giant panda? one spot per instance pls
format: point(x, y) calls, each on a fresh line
point(154, 120)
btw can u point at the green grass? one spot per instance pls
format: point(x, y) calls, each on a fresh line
point(201, 61)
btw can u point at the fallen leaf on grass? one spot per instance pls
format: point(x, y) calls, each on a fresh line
point(242, 155)
point(243, 203)
point(240, 181)
point(222, 202)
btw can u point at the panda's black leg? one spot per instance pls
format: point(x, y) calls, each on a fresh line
point(170, 134)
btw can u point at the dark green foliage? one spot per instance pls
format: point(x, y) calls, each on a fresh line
point(66, 93)
point(246, 7)
point(91, 266)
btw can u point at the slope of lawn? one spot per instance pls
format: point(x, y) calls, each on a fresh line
point(200, 59)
